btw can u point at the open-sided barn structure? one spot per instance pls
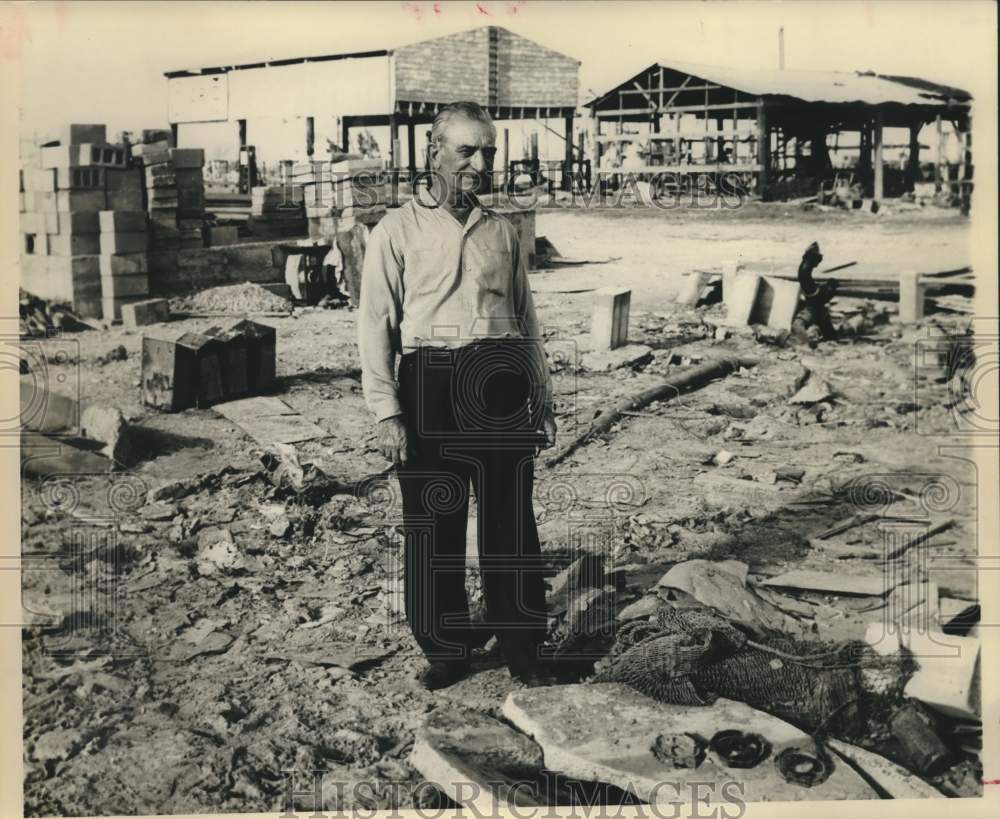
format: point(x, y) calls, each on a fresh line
point(287, 108)
point(771, 126)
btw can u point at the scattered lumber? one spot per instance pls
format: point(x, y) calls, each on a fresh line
point(692, 379)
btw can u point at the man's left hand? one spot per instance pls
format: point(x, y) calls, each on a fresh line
point(549, 427)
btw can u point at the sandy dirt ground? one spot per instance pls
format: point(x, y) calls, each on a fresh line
point(287, 652)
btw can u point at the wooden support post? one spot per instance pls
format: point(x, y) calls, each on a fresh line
point(411, 144)
point(567, 178)
point(965, 192)
point(394, 142)
point(763, 148)
point(310, 137)
point(173, 134)
point(345, 135)
point(879, 191)
point(940, 154)
point(913, 158)
point(506, 157)
point(241, 125)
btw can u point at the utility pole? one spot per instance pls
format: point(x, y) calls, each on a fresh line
point(781, 48)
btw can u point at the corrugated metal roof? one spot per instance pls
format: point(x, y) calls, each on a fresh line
point(821, 86)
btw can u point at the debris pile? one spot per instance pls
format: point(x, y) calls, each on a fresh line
point(234, 299)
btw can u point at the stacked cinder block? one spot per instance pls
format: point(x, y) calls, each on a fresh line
point(276, 210)
point(124, 265)
point(64, 187)
point(160, 187)
point(189, 177)
point(342, 194)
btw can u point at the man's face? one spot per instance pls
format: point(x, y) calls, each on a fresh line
point(464, 158)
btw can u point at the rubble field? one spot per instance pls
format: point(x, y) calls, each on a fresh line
point(205, 621)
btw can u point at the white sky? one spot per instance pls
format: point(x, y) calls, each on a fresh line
point(104, 62)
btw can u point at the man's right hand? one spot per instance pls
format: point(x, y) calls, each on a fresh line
point(392, 441)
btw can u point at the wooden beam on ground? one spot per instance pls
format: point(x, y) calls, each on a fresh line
point(692, 379)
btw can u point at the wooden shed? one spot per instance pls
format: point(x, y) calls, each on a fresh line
point(767, 125)
point(295, 103)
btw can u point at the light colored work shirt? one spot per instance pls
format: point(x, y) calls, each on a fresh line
point(429, 280)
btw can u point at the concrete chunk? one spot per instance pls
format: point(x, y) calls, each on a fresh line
point(776, 303)
point(740, 294)
point(609, 319)
point(477, 760)
point(607, 732)
point(141, 313)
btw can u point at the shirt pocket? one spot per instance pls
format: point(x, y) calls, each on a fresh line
point(427, 270)
point(493, 269)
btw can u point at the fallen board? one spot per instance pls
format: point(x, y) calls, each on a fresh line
point(606, 732)
point(270, 420)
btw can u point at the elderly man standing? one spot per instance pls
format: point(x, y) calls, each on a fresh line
point(443, 287)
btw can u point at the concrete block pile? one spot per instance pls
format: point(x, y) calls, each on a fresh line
point(73, 177)
point(175, 194)
point(341, 194)
point(276, 210)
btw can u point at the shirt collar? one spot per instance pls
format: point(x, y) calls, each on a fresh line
point(424, 199)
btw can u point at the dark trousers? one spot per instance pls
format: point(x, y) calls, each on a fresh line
point(472, 420)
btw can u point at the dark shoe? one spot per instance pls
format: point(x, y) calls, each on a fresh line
point(535, 677)
point(443, 674)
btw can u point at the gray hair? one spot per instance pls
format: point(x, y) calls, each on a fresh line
point(470, 110)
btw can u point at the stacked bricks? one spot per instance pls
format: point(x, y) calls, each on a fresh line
point(175, 194)
point(188, 171)
point(63, 189)
point(124, 265)
point(342, 194)
point(276, 210)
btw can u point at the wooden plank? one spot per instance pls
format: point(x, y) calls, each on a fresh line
point(724, 133)
point(679, 109)
point(673, 89)
point(270, 420)
point(693, 168)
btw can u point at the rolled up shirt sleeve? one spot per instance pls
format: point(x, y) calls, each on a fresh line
point(524, 304)
point(379, 316)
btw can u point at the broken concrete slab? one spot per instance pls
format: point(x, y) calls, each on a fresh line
point(607, 732)
point(479, 762)
point(606, 360)
point(890, 777)
point(948, 677)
